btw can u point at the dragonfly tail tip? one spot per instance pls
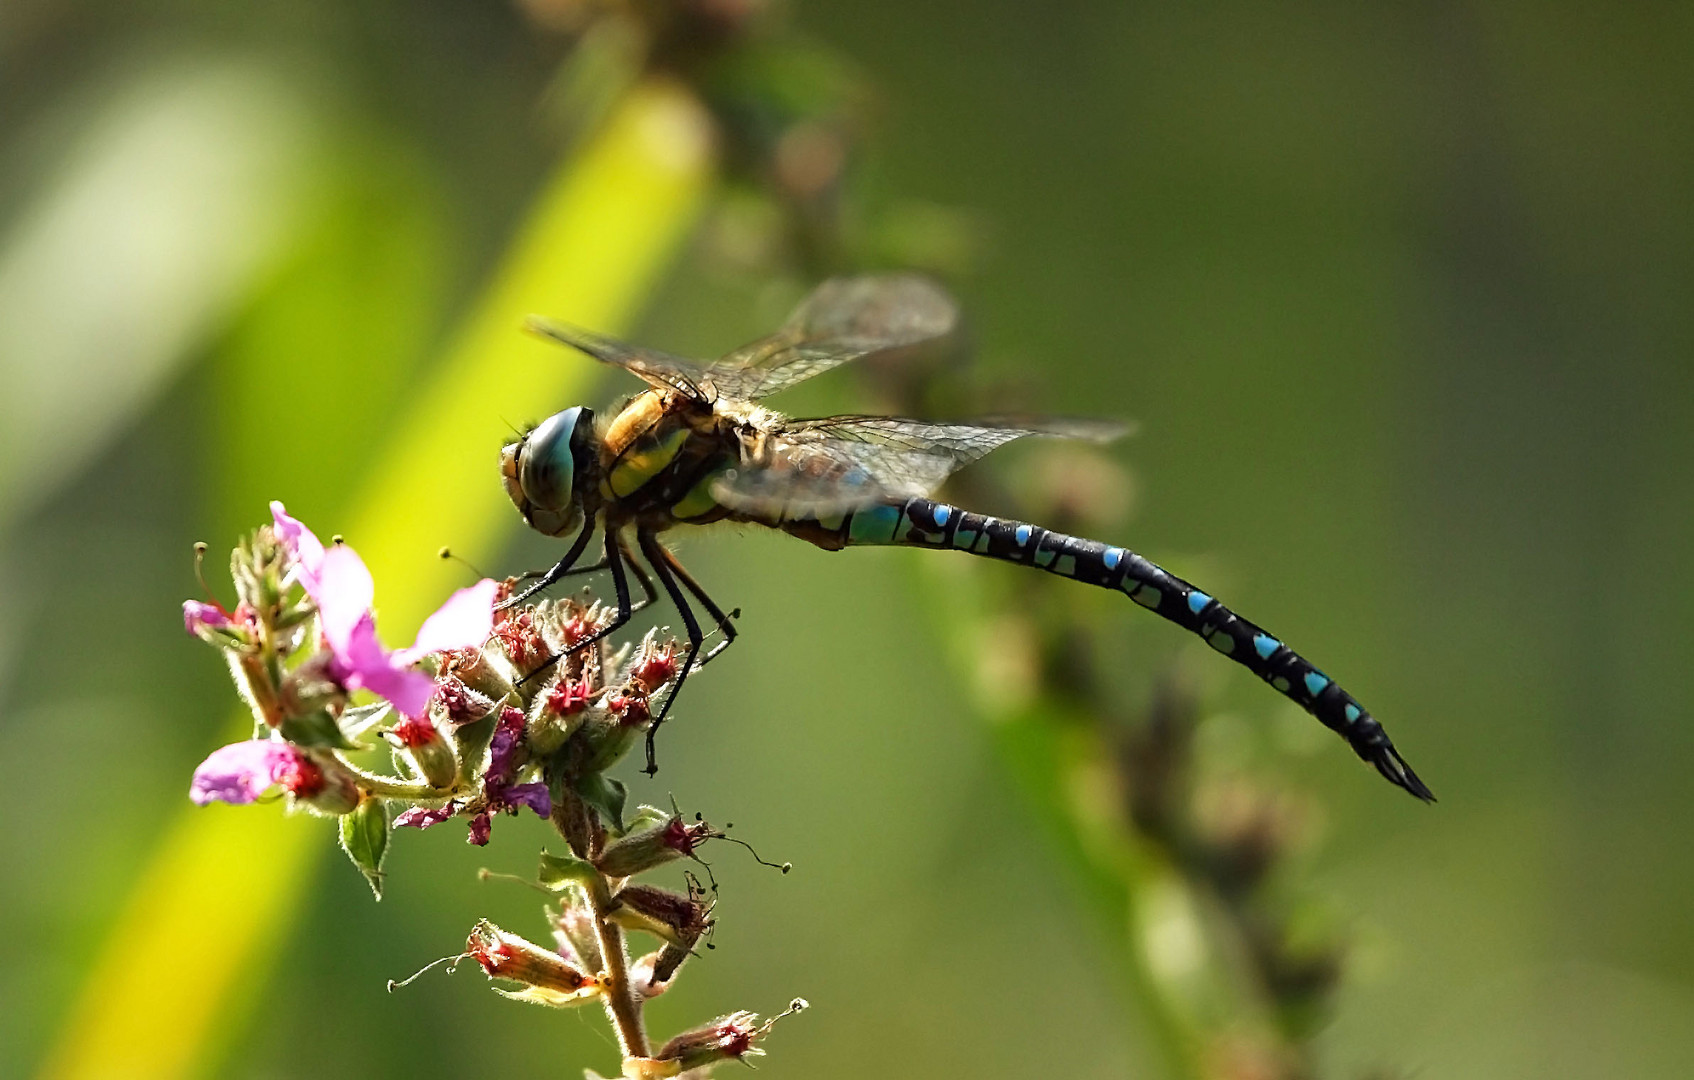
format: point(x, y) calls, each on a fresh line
point(1391, 765)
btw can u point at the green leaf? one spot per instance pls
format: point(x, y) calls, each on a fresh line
point(605, 795)
point(356, 722)
point(558, 871)
point(316, 728)
point(364, 837)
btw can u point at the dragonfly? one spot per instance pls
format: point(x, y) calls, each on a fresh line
point(696, 448)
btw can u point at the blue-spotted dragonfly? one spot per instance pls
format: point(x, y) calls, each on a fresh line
point(697, 448)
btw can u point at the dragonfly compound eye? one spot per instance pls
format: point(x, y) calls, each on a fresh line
point(546, 469)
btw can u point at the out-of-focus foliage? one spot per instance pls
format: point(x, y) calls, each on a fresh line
point(1398, 298)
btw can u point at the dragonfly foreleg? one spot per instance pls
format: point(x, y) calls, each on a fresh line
point(620, 585)
point(662, 563)
point(630, 561)
point(560, 568)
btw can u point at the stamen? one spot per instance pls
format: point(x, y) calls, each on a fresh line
point(451, 961)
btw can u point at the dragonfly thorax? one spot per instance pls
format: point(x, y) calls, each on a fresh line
point(549, 470)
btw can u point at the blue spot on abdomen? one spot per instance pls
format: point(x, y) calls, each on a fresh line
point(1112, 557)
point(1197, 601)
point(1264, 645)
point(1022, 534)
point(1315, 683)
point(942, 513)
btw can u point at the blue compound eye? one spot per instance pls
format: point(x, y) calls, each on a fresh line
point(547, 462)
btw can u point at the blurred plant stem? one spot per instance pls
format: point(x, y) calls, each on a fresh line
point(1208, 952)
point(193, 943)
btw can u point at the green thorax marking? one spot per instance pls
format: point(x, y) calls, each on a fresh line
point(644, 459)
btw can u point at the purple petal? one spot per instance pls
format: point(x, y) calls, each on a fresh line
point(420, 817)
point(308, 552)
point(197, 616)
point(465, 620)
point(364, 663)
point(237, 773)
point(409, 690)
point(481, 825)
point(503, 744)
point(533, 796)
point(344, 594)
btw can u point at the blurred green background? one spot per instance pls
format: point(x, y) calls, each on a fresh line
point(1399, 296)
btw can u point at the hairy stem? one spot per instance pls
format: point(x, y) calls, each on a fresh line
point(623, 1004)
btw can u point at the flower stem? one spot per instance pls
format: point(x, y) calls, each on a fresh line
point(392, 788)
point(623, 1004)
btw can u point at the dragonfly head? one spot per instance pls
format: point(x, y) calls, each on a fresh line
point(547, 471)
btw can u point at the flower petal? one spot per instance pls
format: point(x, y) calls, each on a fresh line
point(237, 773)
point(419, 817)
point(534, 796)
point(307, 550)
point(464, 621)
point(344, 594)
point(198, 615)
point(409, 690)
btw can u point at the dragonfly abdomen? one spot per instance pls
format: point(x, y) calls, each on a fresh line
point(922, 522)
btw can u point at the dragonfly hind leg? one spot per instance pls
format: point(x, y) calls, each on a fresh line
point(667, 569)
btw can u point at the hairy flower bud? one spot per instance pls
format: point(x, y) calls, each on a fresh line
point(474, 670)
point(557, 714)
point(548, 978)
point(430, 754)
point(638, 852)
point(458, 702)
point(676, 918)
point(574, 930)
point(318, 780)
point(725, 1038)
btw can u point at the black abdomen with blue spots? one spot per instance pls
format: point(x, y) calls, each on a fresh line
point(924, 523)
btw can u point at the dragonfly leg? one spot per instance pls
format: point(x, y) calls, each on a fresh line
point(620, 585)
point(641, 577)
point(631, 563)
point(725, 622)
point(662, 563)
point(560, 568)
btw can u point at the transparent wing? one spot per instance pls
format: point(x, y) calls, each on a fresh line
point(843, 319)
point(656, 368)
point(841, 463)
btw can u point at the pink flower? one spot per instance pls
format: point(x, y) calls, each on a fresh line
point(341, 587)
point(240, 772)
point(198, 616)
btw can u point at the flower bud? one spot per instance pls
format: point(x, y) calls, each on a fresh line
point(459, 702)
point(212, 624)
point(726, 1037)
point(651, 975)
point(557, 714)
point(521, 641)
point(430, 754)
point(641, 851)
point(678, 919)
point(654, 665)
point(475, 671)
point(604, 739)
point(317, 780)
point(574, 930)
point(546, 973)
